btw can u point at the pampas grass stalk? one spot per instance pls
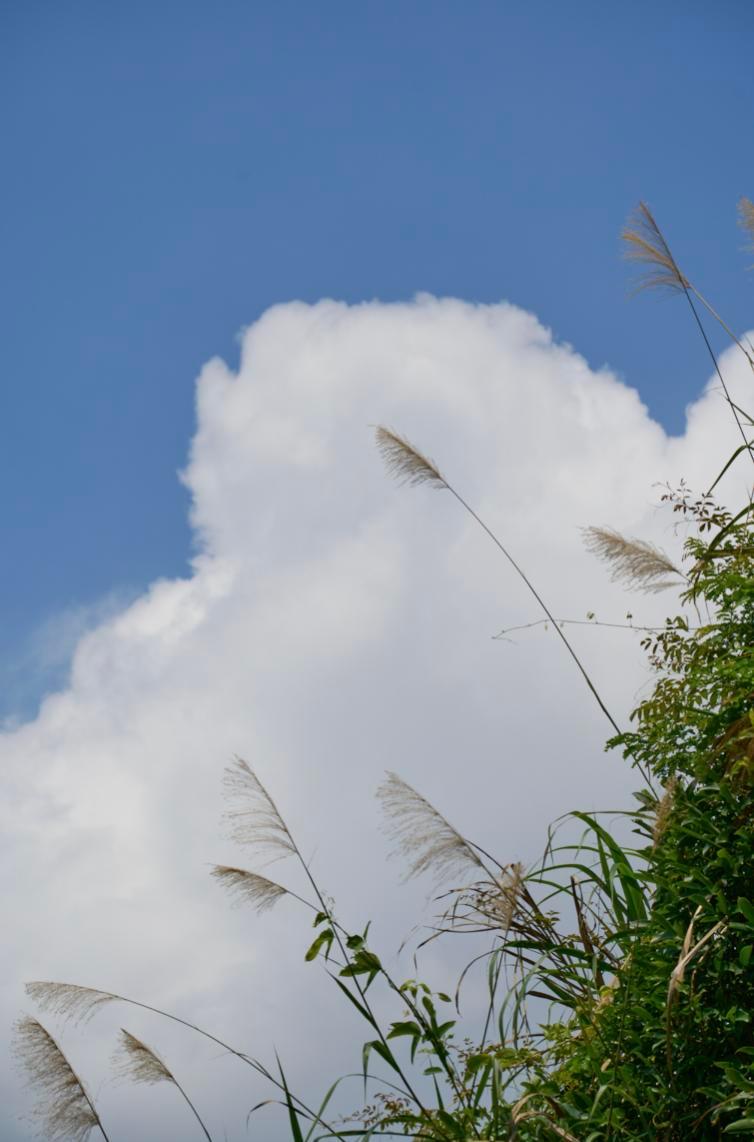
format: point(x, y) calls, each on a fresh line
point(140, 1063)
point(646, 245)
point(65, 1109)
point(408, 465)
point(77, 1003)
point(256, 821)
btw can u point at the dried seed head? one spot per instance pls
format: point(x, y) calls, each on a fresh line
point(664, 808)
point(136, 1061)
point(639, 564)
point(646, 246)
point(254, 820)
point(64, 1110)
point(746, 218)
point(69, 1000)
point(405, 462)
point(502, 904)
point(249, 887)
point(423, 836)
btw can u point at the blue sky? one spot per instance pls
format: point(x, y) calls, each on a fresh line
point(171, 170)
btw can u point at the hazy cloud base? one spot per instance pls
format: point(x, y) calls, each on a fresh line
point(335, 626)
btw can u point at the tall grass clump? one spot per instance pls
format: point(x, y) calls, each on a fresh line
point(619, 976)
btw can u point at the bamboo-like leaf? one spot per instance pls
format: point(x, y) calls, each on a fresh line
point(249, 887)
point(646, 245)
point(65, 1109)
point(405, 462)
point(424, 837)
point(635, 561)
point(254, 820)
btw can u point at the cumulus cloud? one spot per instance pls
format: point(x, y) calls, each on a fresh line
point(334, 626)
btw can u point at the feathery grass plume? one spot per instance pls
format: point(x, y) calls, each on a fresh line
point(746, 214)
point(255, 821)
point(405, 462)
point(746, 217)
point(249, 887)
point(664, 807)
point(636, 562)
point(64, 1110)
point(423, 836)
point(69, 1000)
point(77, 1003)
point(136, 1061)
point(646, 246)
point(498, 903)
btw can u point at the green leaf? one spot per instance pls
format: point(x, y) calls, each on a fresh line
point(404, 1028)
point(292, 1112)
point(323, 940)
point(746, 907)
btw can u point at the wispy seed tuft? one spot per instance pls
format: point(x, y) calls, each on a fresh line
point(254, 819)
point(639, 564)
point(135, 1060)
point(405, 462)
point(64, 1109)
point(69, 1000)
point(664, 809)
point(249, 887)
point(423, 836)
point(646, 246)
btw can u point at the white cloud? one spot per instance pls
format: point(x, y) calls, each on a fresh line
point(335, 625)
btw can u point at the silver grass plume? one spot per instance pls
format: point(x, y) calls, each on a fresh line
point(140, 1063)
point(249, 887)
point(663, 810)
point(639, 564)
point(423, 836)
point(64, 1110)
point(405, 462)
point(498, 903)
point(646, 246)
point(69, 1000)
point(135, 1060)
point(255, 820)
